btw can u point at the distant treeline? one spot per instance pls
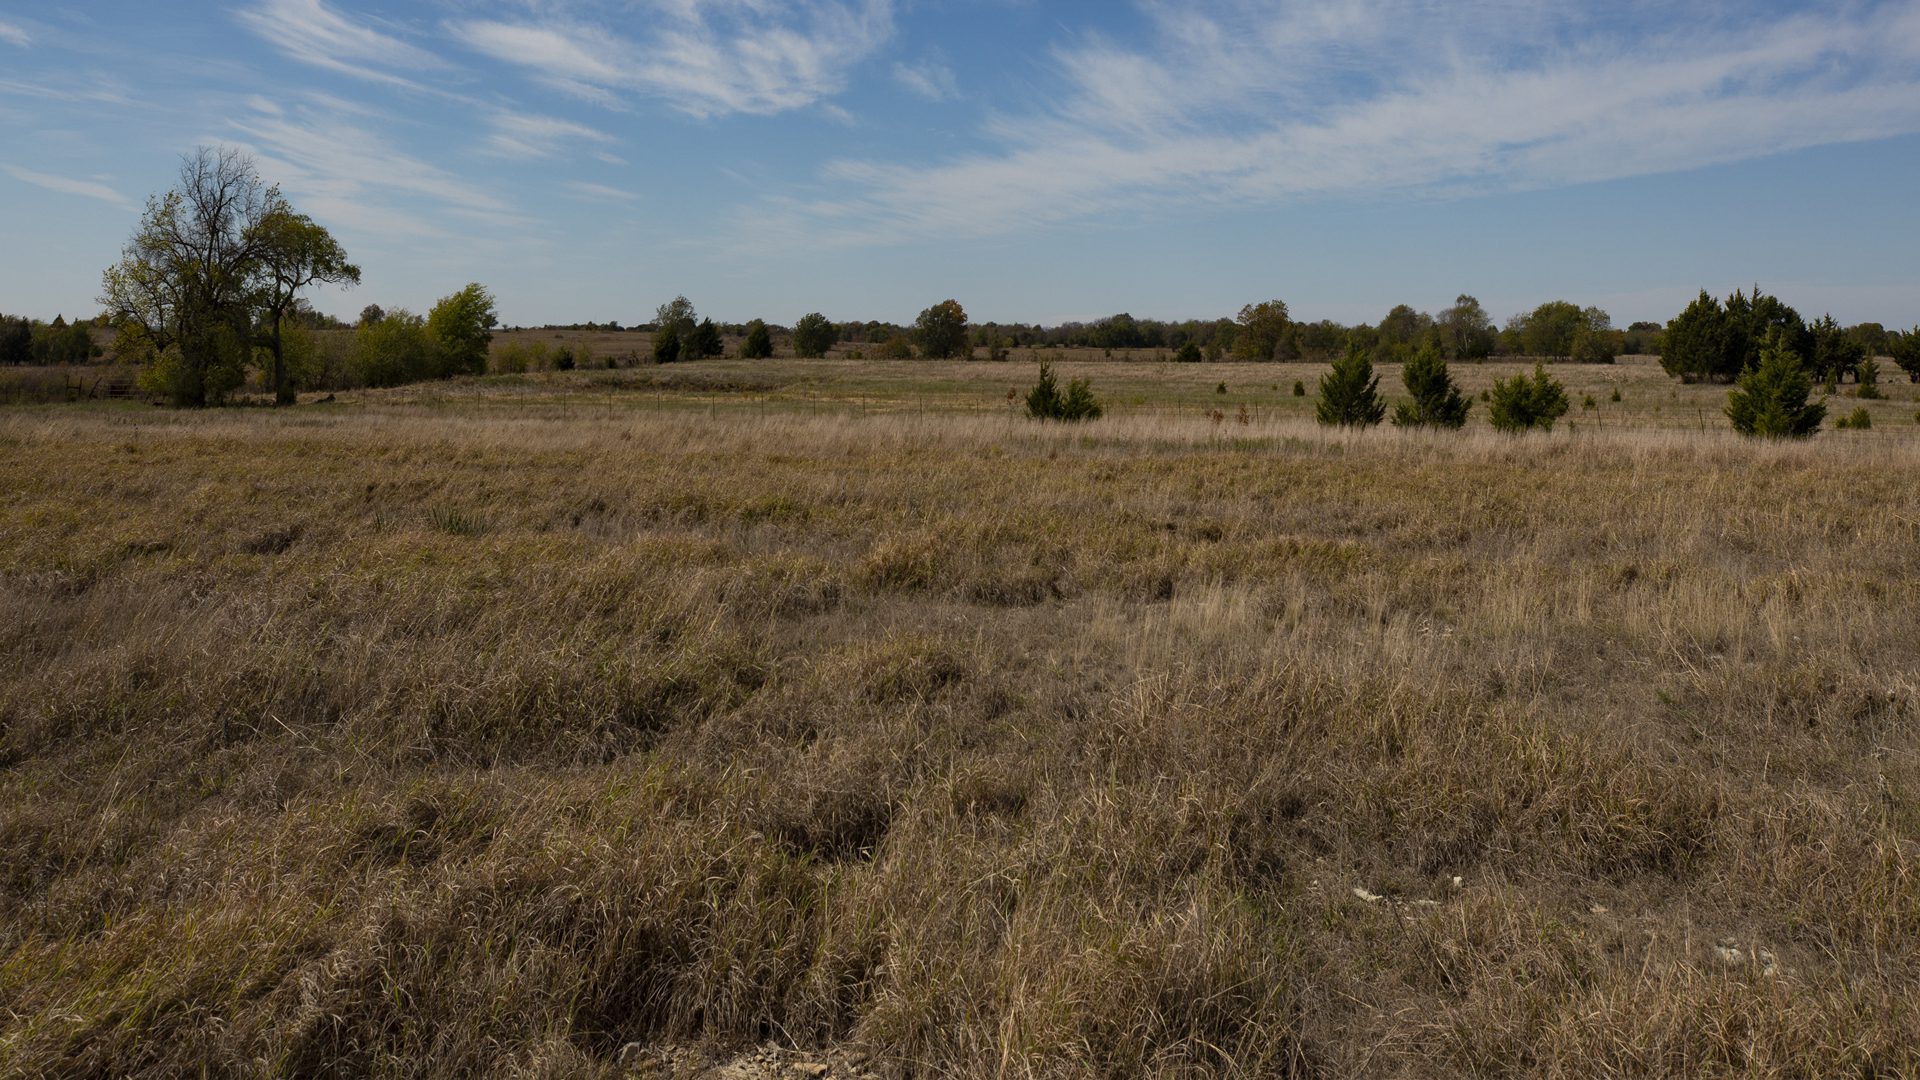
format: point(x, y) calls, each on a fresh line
point(29, 341)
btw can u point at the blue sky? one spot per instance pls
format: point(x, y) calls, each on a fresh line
point(589, 159)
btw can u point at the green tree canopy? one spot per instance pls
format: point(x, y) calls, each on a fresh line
point(1350, 392)
point(677, 315)
point(1770, 400)
point(462, 326)
point(1437, 401)
point(1835, 353)
point(395, 350)
point(941, 330)
point(1522, 403)
point(1262, 330)
point(1906, 352)
point(666, 344)
point(703, 342)
point(813, 335)
point(295, 254)
point(1696, 344)
point(759, 343)
point(183, 290)
point(1467, 330)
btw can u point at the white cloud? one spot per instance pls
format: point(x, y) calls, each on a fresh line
point(88, 188)
point(1240, 103)
point(929, 79)
point(528, 136)
point(591, 192)
point(14, 35)
point(342, 173)
point(705, 57)
point(313, 33)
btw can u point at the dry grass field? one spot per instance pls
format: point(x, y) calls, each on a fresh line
point(487, 728)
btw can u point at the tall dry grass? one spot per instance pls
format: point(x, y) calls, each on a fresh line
point(446, 737)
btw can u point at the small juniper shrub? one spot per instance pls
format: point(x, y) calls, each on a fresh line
point(1437, 401)
point(1522, 403)
point(1350, 392)
point(1867, 374)
point(1858, 420)
point(1046, 401)
point(1770, 399)
point(1299, 388)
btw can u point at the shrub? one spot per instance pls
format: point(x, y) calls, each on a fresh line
point(759, 343)
point(397, 349)
point(1858, 420)
point(1867, 374)
point(896, 347)
point(1299, 388)
point(1188, 353)
point(1046, 402)
point(1221, 389)
point(1616, 394)
point(1522, 403)
point(563, 359)
point(1436, 398)
point(703, 342)
point(666, 345)
point(1350, 393)
point(1771, 399)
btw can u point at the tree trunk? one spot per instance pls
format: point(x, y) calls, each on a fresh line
point(282, 392)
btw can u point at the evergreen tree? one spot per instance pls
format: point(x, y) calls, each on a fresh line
point(759, 343)
point(1437, 401)
point(703, 342)
point(1079, 403)
point(1906, 353)
point(1522, 403)
point(1695, 345)
point(1044, 401)
point(666, 345)
point(1835, 353)
point(1350, 393)
point(1771, 398)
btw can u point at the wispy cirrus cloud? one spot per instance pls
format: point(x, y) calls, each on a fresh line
point(591, 192)
point(930, 78)
point(529, 136)
point(344, 172)
point(704, 57)
point(314, 33)
point(1241, 103)
point(13, 34)
point(90, 189)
